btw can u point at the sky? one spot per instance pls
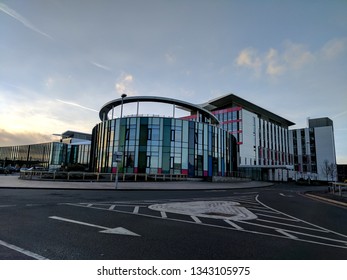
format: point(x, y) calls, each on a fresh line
point(62, 60)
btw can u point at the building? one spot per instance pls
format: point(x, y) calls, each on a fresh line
point(162, 145)
point(70, 150)
point(262, 137)
point(314, 151)
point(342, 173)
point(221, 137)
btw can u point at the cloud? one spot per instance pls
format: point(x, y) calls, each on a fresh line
point(124, 84)
point(297, 55)
point(170, 58)
point(249, 58)
point(76, 105)
point(8, 138)
point(12, 13)
point(334, 48)
point(273, 65)
point(292, 57)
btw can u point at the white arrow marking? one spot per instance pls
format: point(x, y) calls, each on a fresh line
point(118, 230)
point(286, 195)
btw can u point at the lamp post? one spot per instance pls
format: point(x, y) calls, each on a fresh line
point(121, 108)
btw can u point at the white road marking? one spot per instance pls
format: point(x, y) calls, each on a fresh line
point(308, 223)
point(286, 233)
point(22, 251)
point(196, 219)
point(318, 237)
point(227, 227)
point(207, 209)
point(10, 205)
point(262, 210)
point(278, 232)
point(112, 207)
point(281, 218)
point(89, 205)
point(136, 209)
point(244, 201)
point(118, 230)
point(233, 224)
point(286, 195)
point(291, 225)
point(163, 214)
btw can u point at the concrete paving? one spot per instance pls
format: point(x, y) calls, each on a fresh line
point(12, 181)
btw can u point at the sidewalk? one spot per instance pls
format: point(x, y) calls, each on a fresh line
point(12, 181)
point(329, 197)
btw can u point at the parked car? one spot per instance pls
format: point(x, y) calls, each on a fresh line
point(3, 170)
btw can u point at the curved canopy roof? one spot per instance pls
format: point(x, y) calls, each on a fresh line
point(103, 114)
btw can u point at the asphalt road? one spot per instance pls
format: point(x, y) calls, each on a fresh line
point(276, 222)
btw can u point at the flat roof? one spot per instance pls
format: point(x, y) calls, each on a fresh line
point(225, 101)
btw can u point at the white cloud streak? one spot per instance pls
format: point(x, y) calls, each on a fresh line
point(76, 105)
point(12, 13)
point(101, 66)
point(339, 115)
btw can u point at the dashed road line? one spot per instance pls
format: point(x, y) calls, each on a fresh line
point(163, 214)
point(136, 209)
point(196, 219)
point(234, 225)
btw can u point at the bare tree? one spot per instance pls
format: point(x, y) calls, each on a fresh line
point(332, 171)
point(329, 170)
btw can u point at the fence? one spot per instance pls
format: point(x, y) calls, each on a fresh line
point(337, 188)
point(99, 177)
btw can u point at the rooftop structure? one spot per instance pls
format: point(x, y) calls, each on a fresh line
point(232, 100)
point(109, 107)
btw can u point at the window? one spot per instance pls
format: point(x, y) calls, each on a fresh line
point(127, 133)
point(149, 134)
point(172, 135)
point(148, 161)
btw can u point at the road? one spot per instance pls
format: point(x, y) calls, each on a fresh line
point(277, 222)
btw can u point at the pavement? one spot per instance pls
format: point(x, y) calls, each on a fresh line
point(12, 181)
point(329, 197)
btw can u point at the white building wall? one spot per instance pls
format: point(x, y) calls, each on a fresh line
point(325, 149)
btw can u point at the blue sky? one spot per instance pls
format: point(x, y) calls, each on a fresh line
point(60, 61)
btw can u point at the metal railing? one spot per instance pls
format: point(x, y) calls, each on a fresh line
point(95, 176)
point(337, 188)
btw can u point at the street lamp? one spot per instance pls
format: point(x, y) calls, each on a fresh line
point(121, 108)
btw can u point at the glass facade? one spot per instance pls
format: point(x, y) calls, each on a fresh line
point(47, 155)
point(29, 155)
point(159, 145)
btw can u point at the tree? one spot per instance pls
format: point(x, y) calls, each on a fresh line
point(329, 170)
